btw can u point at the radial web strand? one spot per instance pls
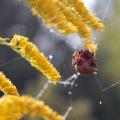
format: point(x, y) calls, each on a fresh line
point(98, 79)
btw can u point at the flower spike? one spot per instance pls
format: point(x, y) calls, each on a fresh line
point(83, 13)
point(83, 28)
point(47, 10)
point(31, 53)
point(6, 86)
point(16, 107)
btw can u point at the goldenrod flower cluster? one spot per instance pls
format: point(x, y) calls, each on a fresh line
point(68, 16)
point(91, 45)
point(37, 59)
point(6, 86)
point(47, 10)
point(83, 13)
point(83, 29)
point(15, 107)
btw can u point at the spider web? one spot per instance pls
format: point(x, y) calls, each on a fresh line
point(70, 81)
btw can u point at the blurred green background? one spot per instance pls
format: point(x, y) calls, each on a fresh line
point(15, 17)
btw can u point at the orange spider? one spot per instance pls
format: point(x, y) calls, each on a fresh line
point(85, 62)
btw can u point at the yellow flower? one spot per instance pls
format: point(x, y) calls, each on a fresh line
point(6, 86)
point(91, 45)
point(83, 29)
point(37, 59)
point(47, 10)
point(83, 13)
point(68, 16)
point(14, 108)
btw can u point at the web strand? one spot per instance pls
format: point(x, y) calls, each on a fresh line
point(98, 80)
point(107, 9)
point(43, 90)
point(11, 61)
point(67, 113)
point(107, 88)
point(99, 83)
point(111, 86)
point(69, 81)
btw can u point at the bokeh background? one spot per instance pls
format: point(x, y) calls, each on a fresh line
point(15, 17)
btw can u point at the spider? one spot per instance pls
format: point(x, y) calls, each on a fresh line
point(84, 61)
